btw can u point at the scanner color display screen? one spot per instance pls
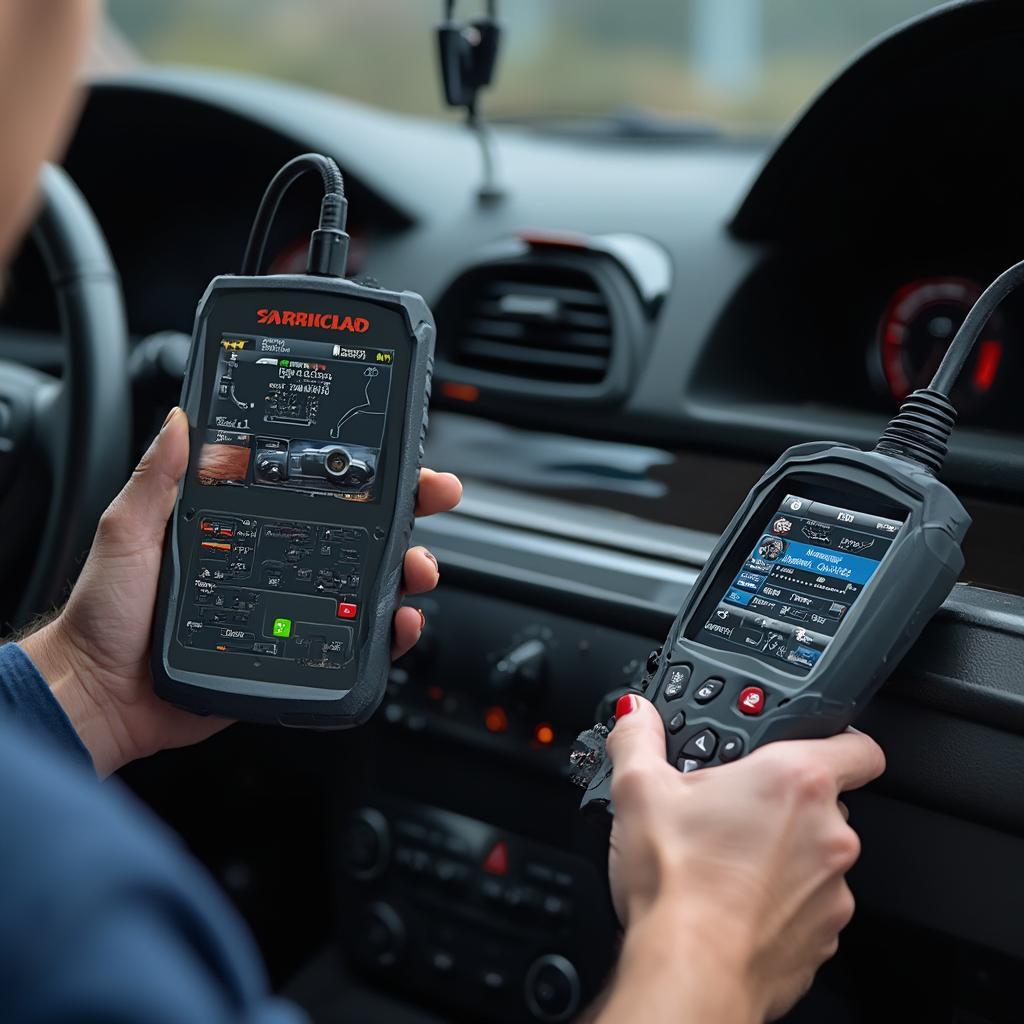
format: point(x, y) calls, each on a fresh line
point(297, 415)
point(806, 570)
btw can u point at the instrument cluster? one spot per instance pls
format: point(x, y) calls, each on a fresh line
point(915, 327)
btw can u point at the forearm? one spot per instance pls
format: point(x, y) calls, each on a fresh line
point(678, 967)
point(49, 652)
point(26, 698)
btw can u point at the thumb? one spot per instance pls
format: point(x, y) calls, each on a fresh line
point(147, 500)
point(638, 737)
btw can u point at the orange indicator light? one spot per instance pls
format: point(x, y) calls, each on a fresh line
point(460, 392)
point(544, 734)
point(495, 719)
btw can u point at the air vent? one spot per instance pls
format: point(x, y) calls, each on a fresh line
point(534, 321)
point(549, 320)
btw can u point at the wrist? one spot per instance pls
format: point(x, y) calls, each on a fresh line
point(72, 682)
point(683, 961)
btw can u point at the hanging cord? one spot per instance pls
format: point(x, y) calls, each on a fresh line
point(328, 244)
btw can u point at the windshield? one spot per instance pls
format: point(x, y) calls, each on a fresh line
point(742, 65)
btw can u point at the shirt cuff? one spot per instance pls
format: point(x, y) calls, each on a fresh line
point(26, 698)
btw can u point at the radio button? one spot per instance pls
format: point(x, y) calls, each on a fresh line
point(448, 872)
point(493, 981)
point(556, 907)
point(492, 890)
point(442, 962)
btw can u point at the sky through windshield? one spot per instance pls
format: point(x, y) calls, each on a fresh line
point(745, 65)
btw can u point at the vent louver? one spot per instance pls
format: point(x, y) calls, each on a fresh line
point(532, 321)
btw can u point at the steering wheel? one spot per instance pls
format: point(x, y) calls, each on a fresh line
point(67, 440)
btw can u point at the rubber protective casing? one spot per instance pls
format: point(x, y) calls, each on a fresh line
point(277, 703)
point(908, 587)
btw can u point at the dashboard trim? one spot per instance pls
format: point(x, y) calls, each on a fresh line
point(588, 578)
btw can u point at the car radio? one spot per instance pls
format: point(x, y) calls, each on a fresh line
point(823, 580)
point(307, 397)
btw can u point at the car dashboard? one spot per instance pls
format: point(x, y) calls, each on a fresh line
point(627, 337)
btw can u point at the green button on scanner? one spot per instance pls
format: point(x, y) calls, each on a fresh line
point(282, 627)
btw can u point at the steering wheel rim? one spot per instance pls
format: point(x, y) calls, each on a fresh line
point(78, 428)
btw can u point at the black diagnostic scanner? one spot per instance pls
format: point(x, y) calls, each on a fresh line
point(820, 584)
point(307, 397)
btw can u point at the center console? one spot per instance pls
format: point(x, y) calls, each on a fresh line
point(470, 915)
point(466, 878)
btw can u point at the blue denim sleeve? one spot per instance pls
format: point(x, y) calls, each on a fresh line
point(103, 914)
point(25, 698)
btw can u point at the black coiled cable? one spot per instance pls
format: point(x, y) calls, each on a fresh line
point(328, 251)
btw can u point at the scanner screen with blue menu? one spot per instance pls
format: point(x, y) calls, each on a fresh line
point(792, 593)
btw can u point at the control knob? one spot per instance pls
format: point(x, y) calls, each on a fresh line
point(367, 844)
point(383, 935)
point(552, 988)
point(521, 672)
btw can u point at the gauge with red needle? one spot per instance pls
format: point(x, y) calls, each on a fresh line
point(916, 328)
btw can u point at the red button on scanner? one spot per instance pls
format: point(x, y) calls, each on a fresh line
point(751, 701)
point(347, 611)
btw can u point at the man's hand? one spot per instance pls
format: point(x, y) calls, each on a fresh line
point(95, 653)
point(729, 881)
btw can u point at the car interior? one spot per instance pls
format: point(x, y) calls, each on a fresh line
point(633, 322)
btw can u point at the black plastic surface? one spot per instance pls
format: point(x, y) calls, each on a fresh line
point(949, 69)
